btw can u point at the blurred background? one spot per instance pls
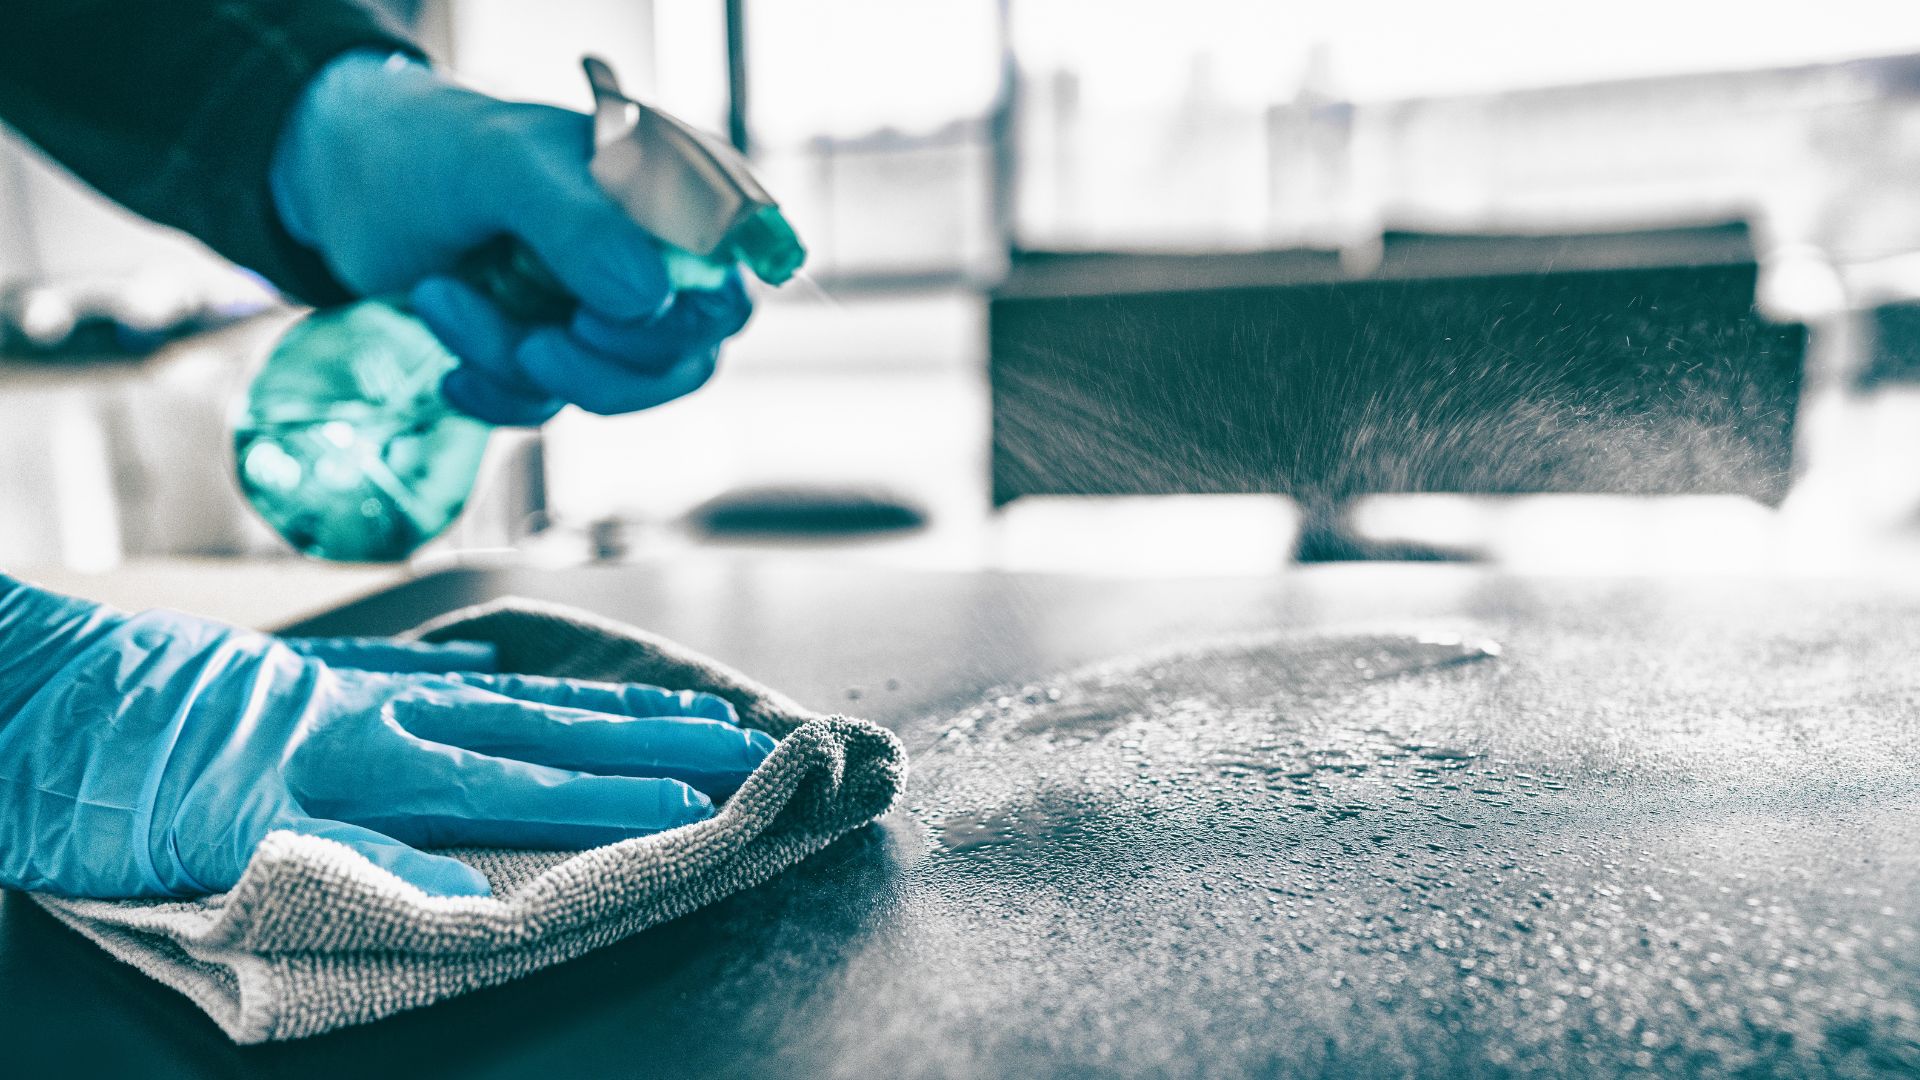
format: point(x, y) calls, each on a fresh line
point(1133, 287)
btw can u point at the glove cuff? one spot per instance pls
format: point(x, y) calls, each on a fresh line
point(40, 633)
point(338, 93)
point(239, 128)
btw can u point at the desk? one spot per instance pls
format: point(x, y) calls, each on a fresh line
point(1723, 872)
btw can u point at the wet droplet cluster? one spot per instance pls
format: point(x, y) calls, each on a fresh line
point(1391, 855)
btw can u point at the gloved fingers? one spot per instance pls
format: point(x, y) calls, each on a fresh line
point(487, 384)
point(696, 319)
point(713, 315)
point(437, 795)
point(399, 657)
point(620, 699)
point(609, 365)
point(564, 367)
point(435, 875)
point(605, 260)
point(712, 756)
point(467, 323)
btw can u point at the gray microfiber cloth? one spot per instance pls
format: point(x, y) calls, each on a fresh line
point(315, 937)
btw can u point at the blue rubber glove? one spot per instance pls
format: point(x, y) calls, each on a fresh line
point(148, 755)
point(398, 657)
point(391, 174)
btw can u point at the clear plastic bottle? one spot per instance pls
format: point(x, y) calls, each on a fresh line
point(345, 445)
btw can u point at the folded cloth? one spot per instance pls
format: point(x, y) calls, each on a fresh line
point(315, 937)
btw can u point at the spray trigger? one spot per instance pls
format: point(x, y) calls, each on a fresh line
point(686, 186)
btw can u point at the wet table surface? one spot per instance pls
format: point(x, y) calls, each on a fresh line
point(1672, 826)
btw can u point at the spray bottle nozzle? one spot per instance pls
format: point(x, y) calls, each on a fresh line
point(767, 244)
point(686, 186)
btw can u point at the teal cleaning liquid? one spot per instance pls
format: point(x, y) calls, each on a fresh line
point(345, 446)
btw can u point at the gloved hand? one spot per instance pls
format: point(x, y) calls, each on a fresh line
point(392, 173)
point(398, 657)
point(148, 755)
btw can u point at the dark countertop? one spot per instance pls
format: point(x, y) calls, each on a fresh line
point(1675, 826)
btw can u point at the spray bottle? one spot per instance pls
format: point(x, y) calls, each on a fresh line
point(344, 443)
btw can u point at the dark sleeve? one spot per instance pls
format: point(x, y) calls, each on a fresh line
point(172, 108)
